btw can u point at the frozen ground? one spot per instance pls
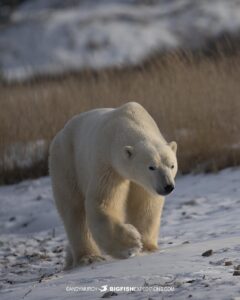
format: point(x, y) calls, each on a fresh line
point(202, 214)
point(52, 36)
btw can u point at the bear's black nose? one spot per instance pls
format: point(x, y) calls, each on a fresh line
point(169, 188)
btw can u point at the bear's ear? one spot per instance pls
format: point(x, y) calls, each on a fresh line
point(128, 150)
point(173, 146)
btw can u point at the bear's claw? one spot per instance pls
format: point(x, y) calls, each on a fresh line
point(89, 259)
point(130, 252)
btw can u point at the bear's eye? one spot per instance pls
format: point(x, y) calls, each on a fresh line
point(152, 168)
point(172, 167)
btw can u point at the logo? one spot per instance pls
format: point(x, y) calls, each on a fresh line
point(103, 288)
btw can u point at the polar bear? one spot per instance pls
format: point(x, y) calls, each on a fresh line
point(110, 170)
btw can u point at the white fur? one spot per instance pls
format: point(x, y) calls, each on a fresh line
point(103, 187)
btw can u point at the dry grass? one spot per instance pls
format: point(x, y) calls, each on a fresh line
point(194, 101)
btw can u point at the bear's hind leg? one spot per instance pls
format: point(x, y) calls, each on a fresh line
point(144, 212)
point(82, 248)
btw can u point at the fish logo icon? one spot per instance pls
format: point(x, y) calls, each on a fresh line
point(103, 288)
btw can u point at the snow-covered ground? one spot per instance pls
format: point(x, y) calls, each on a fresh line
point(202, 214)
point(52, 36)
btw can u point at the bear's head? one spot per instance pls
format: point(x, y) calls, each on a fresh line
point(151, 165)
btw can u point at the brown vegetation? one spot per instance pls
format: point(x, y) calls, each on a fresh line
point(194, 101)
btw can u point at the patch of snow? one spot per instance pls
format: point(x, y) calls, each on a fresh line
point(50, 37)
point(201, 214)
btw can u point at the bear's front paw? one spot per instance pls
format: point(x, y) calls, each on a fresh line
point(88, 259)
point(148, 247)
point(129, 240)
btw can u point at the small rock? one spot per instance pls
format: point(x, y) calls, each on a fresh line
point(186, 242)
point(228, 263)
point(207, 253)
point(57, 249)
point(236, 273)
point(190, 281)
point(109, 294)
point(191, 202)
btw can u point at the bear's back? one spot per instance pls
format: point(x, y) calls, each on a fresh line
point(138, 119)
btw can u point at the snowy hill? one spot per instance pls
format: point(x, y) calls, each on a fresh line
point(202, 214)
point(53, 36)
